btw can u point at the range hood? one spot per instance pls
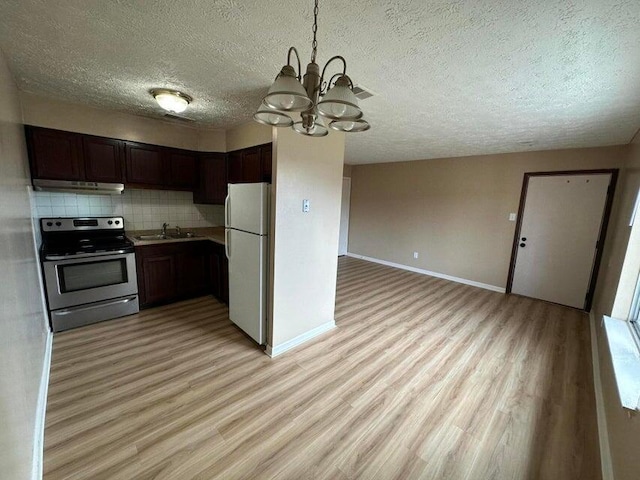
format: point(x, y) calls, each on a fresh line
point(70, 186)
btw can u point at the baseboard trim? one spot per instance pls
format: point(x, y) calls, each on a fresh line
point(473, 283)
point(300, 339)
point(603, 432)
point(38, 437)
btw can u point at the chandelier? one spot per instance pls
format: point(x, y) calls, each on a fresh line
point(313, 95)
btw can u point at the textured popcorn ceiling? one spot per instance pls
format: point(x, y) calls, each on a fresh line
point(451, 77)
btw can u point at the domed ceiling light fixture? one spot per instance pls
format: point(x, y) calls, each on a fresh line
point(312, 95)
point(171, 100)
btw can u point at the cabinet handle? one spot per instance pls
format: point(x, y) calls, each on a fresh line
point(226, 211)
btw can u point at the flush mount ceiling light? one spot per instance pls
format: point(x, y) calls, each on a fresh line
point(171, 100)
point(313, 96)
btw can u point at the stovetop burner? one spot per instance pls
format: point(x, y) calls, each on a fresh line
point(74, 236)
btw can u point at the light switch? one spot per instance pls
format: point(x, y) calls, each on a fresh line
point(512, 217)
point(305, 205)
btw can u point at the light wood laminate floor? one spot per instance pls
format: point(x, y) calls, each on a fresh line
point(423, 378)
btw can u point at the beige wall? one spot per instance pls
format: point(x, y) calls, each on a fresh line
point(247, 135)
point(623, 426)
point(23, 331)
point(453, 212)
point(46, 112)
point(346, 170)
point(304, 245)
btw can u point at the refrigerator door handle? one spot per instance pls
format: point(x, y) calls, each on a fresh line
point(226, 242)
point(226, 211)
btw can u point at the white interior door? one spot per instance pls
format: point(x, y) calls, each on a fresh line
point(344, 216)
point(557, 245)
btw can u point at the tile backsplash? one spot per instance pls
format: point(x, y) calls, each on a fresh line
point(141, 209)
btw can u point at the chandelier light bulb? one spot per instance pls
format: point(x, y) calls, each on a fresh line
point(338, 110)
point(348, 126)
point(287, 101)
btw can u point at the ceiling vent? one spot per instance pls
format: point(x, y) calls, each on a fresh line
point(361, 92)
point(171, 116)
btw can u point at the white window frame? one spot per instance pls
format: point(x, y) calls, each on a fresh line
point(623, 327)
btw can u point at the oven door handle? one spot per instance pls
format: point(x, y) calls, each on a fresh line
point(83, 255)
point(93, 307)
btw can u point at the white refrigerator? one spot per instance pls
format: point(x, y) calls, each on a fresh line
point(247, 248)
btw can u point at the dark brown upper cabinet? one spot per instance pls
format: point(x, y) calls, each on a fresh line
point(182, 169)
point(59, 155)
point(103, 159)
point(234, 167)
point(54, 154)
point(266, 155)
point(145, 165)
point(251, 165)
point(212, 179)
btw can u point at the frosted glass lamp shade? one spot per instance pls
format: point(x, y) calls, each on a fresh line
point(340, 102)
point(171, 100)
point(349, 126)
point(287, 93)
point(316, 130)
point(271, 117)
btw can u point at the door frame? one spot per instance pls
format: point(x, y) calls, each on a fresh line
point(603, 228)
point(349, 215)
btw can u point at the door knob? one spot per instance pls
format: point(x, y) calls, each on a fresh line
point(523, 244)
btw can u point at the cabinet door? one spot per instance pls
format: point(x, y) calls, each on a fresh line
point(251, 165)
point(103, 159)
point(193, 269)
point(219, 273)
point(266, 155)
point(54, 154)
point(212, 179)
point(159, 272)
point(234, 167)
point(182, 169)
point(145, 165)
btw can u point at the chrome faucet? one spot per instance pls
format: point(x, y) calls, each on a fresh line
point(178, 230)
point(164, 229)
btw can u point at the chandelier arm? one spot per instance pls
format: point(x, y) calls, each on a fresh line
point(293, 49)
point(332, 77)
point(344, 69)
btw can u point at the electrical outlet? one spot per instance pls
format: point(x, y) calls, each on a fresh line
point(415, 254)
point(306, 205)
point(512, 217)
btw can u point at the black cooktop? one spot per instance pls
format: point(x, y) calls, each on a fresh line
point(73, 236)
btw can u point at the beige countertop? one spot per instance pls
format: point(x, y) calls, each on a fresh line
point(214, 234)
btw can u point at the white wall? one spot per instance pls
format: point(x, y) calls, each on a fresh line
point(50, 113)
point(304, 245)
point(247, 135)
point(23, 330)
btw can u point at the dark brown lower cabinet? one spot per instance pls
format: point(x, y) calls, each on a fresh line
point(193, 270)
point(219, 273)
point(176, 271)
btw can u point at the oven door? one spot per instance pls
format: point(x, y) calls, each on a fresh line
point(76, 281)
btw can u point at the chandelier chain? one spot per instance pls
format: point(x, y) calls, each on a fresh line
point(314, 45)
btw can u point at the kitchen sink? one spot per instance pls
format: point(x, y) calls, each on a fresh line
point(158, 236)
point(169, 236)
point(182, 235)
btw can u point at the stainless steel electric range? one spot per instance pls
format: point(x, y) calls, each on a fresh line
point(89, 270)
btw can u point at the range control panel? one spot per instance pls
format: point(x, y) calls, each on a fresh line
point(84, 223)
